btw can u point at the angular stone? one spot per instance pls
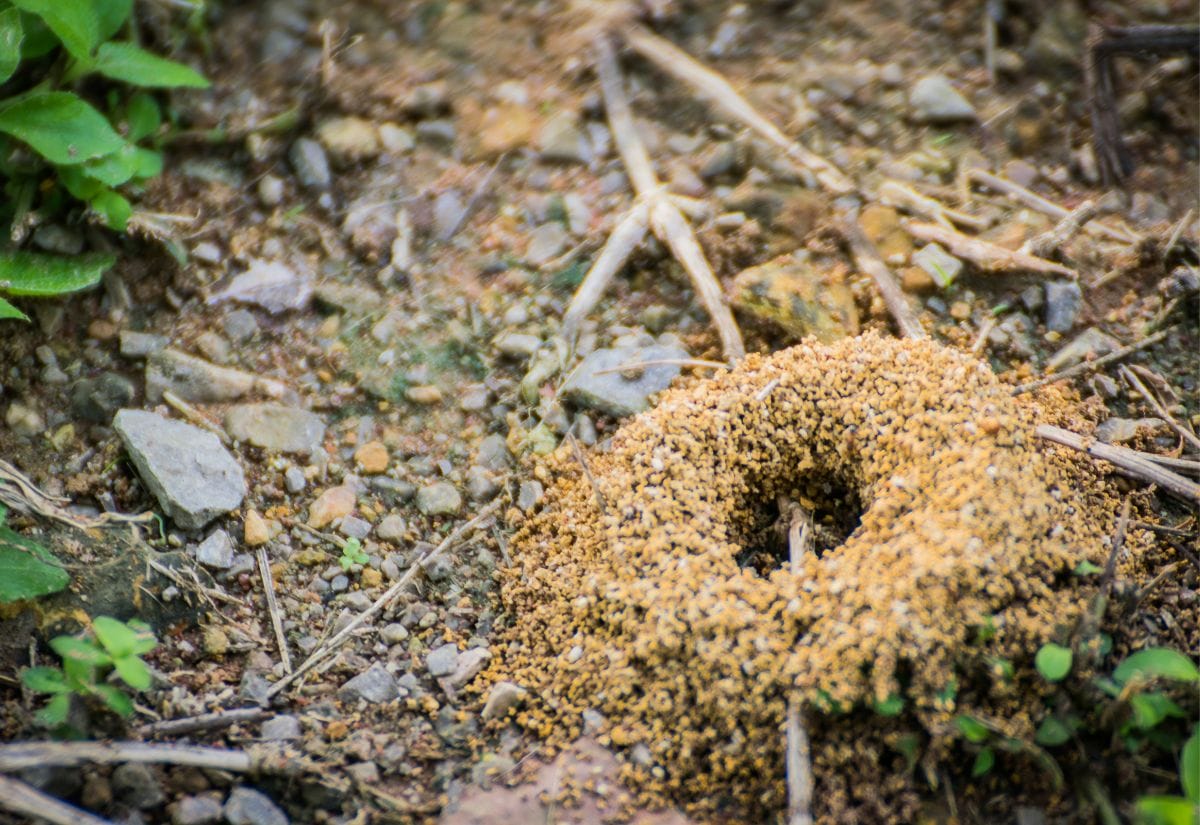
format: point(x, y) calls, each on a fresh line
point(273, 285)
point(254, 529)
point(310, 163)
point(216, 551)
point(942, 267)
point(372, 458)
point(331, 505)
point(391, 528)
point(374, 685)
point(141, 344)
point(614, 393)
point(247, 806)
point(442, 660)
point(1064, 300)
point(349, 139)
point(276, 428)
point(194, 379)
point(503, 697)
point(137, 786)
point(934, 100)
point(189, 472)
point(98, 399)
point(469, 664)
point(439, 499)
point(282, 728)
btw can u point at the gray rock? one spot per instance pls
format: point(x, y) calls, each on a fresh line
point(196, 810)
point(545, 243)
point(255, 688)
point(934, 100)
point(294, 480)
point(480, 484)
point(391, 528)
point(282, 728)
point(141, 344)
point(340, 583)
point(940, 264)
point(349, 139)
point(614, 393)
point(270, 190)
point(214, 347)
point(442, 661)
point(503, 697)
point(310, 163)
point(136, 786)
point(276, 427)
point(529, 494)
point(216, 551)
point(518, 344)
point(392, 489)
point(354, 527)
point(55, 238)
point(1091, 343)
point(492, 453)
point(393, 633)
point(357, 600)
point(1064, 300)
point(374, 685)
point(240, 325)
point(1056, 46)
point(1119, 430)
point(561, 139)
point(439, 499)
point(355, 300)
point(367, 772)
point(448, 211)
point(98, 399)
point(438, 569)
point(246, 806)
point(437, 131)
point(273, 285)
point(469, 663)
point(189, 472)
point(194, 379)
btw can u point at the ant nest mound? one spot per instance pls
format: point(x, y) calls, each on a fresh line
point(657, 589)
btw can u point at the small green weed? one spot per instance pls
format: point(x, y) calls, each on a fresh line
point(27, 570)
point(352, 554)
point(111, 645)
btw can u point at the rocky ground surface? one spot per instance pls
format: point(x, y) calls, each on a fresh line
point(381, 211)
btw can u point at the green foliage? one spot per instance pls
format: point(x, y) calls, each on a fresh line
point(111, 646)
point(27, 570)
point(1053, 662)
point(28, 273)
point(352, 554)
point(55, 145)
point(1157, 663)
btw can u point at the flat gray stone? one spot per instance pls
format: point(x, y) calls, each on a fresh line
point(934, 100)
point(374, 685)
point(614, 393)
point(504, 696)
point(216, 551)
point(439, 499)
point(273, 285)
point(135, 344)
point(282, 728)
point(940, 264)
point(1091, 343)
point(196, 380)
point(137, 786)
point(310, 163)
point(246, 806)
point(469, 663)
point(196, 810)
point(276, 428)
point(1064, 300)
point(189, 472)
point(442, 661)
point(492, 453)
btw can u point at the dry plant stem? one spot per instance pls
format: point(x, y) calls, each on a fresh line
point(1177, 232)
point(587, 471)
point(205, 722)
point(709, 84)
point(867, 258)
point(1085, 367)
point(264, 570)
point(24, 755)
point(798, 764)
point(195, 416)
point(664, 362)
point(987, 256)
point(1049, 208)
point(174, 576)
point(664, 216)
point(1182, 431)
point(1129, 462)
point(329, 646)
point(1062, 232)
point(26, 800)
point(894, 193)
point(626, 237)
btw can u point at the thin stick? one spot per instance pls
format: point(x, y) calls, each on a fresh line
point(472, 201)
point(985, 329)
point(683, 67)
point(797, 764)
point(204, 722)
point(894, 193)
point(625, 237)
point(587, 471)
point(986, 255)
point(867, 258)
point(326, 648)
point(264, 571)
point(1036, 202)
point(664, 217)
point(1062, 232)
point(1127, 461)
point(25, 800)
point(196, 417)
point(22, 755)
point(1091, 366)
point(664, 362)
point(1135, 382)
point(1180, 225)
point(767, 389)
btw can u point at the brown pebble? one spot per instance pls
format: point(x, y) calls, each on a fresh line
point(255, 531)
point(372, 457)
point(423, 394)
point(102, 330)
point(333, 504)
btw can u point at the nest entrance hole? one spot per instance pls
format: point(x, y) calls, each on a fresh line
point(836, 514)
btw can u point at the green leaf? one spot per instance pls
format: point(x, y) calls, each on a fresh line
point(80, 675)
point(117, 639)
point(59, 126)
point(134, 671)
point(1166, 810)
point(55, 712)
point(39, 40)
point(11, 35)
point(27, 570)
point(1151, 708)
point(127, 62)
point(7, 310)
point(111, 15)
point(974, 730)
point(1157, 663)
point(78, 182)
point(909, 745)
point(117, 701)
point(1189, 767)
point(1001, 667)
point(149, 163)
point(1086, 568)
point(890, 706)
point(74, 21)
point(71, 648)
point(143, 637)
point(1052, 732)
point(114, 208)
point(1053, 662)
point(30, 273)
point(143, 116)
point(983, 762)
point(45, 680)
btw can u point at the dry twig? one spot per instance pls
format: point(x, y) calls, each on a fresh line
point(1036, 202)
point(204, 722)
point(1136, 383)
point(264, 571)
point(24, 799)
point(986, 255)
point(798, 763)
point(1129, 462)
point(894, 193)
point(869, 261)
point(1091, 366)
point(22, 755)
point(664, 362)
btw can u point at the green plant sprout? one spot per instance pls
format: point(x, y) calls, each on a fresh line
point(352, 554)
point(87, 660)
